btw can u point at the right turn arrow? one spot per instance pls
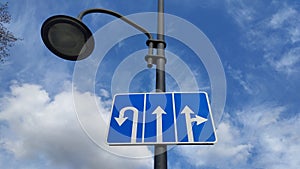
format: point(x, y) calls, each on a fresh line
point(188, 120)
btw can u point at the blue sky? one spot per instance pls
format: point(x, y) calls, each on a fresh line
point(258, 43)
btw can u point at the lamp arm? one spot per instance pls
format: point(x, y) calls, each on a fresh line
point(100, 10)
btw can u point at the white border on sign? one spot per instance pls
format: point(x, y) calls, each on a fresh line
point(175, 125)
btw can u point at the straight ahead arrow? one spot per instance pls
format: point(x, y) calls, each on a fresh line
point(188, 120)
point(159, 112)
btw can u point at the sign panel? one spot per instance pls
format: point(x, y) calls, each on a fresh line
point(161, 118)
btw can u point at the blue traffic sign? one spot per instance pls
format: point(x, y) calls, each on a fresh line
point(161, 118)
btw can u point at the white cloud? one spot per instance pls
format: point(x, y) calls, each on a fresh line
point(284, 15)
point(190, 4)
point(278, 143)
point(104, 93)
point(276, 32)
point(245, 80)
point(39, 131)
point(289, 61)
point(222, 154)
point(257, 136)
point(30, 60)
point(295, 34)
point(241, 11)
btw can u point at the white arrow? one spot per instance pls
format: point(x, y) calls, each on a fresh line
point(198, 120)
point(159, 112)
point(188, 120)
point(121, 119)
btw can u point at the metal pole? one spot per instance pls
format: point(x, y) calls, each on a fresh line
point(160, 152)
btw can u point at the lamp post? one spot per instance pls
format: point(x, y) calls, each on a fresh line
point(70, 39)
point(160, 151)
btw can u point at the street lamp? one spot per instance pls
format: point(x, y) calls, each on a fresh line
point(70, 39)
point(67, 37)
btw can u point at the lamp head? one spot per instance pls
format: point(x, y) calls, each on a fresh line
point(67, 37)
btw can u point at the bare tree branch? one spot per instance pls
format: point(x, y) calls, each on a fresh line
point(7, 38)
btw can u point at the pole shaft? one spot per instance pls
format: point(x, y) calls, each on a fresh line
point(160, 151)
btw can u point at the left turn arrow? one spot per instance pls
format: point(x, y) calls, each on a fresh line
point(121, 119)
